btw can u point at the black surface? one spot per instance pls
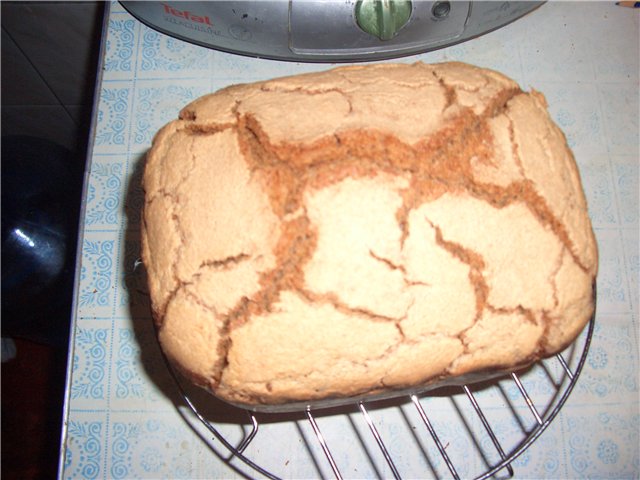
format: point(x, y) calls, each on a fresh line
point(41, 189)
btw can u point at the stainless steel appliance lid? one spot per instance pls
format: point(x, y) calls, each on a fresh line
point(328, 30)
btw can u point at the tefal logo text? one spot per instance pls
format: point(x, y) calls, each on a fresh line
point(186, 15)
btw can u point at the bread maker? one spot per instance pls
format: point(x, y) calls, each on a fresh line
point(327, 30)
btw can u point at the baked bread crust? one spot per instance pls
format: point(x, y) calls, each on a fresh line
point(364, 230)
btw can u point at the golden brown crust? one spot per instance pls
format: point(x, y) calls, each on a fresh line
point(364, 229)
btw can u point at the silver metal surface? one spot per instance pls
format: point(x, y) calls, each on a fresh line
point(487, 427)
point(527, 398)
point(376, 435)
point(254, 431)
point(434, 435)
point(321, 30)
point(323, 444)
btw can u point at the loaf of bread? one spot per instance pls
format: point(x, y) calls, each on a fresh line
point(362, 231)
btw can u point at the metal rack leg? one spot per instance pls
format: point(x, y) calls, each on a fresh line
point(254, 430)
point(441, 449)
point(381, 444)
point(527, 398)
point(565, 367)
point(323, 444)
point(488, 428)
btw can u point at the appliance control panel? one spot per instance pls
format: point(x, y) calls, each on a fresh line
point(318, 30)
point(327, 30)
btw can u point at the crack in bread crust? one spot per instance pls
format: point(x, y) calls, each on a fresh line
point(476, 266)
point(225, 263)
point(437, 164)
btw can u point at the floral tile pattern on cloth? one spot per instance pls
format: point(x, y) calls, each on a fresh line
point(119, 60)
point(611, 370)
point(151, 449)
point(96, 295)
point(576, 110)
point(614, 450)
point(161, 54)
point(85, 446)
point(626, 173)
point(158, 104)
point(112, 129)
point(138, 379)
point(613, 293)
point(104, 193)
point(620, 110)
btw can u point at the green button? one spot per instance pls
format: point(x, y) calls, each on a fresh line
point(383, 18)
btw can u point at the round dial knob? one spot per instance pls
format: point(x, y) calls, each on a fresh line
point(383, 18)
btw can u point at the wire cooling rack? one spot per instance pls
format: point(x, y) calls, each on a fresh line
point(497, 458)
